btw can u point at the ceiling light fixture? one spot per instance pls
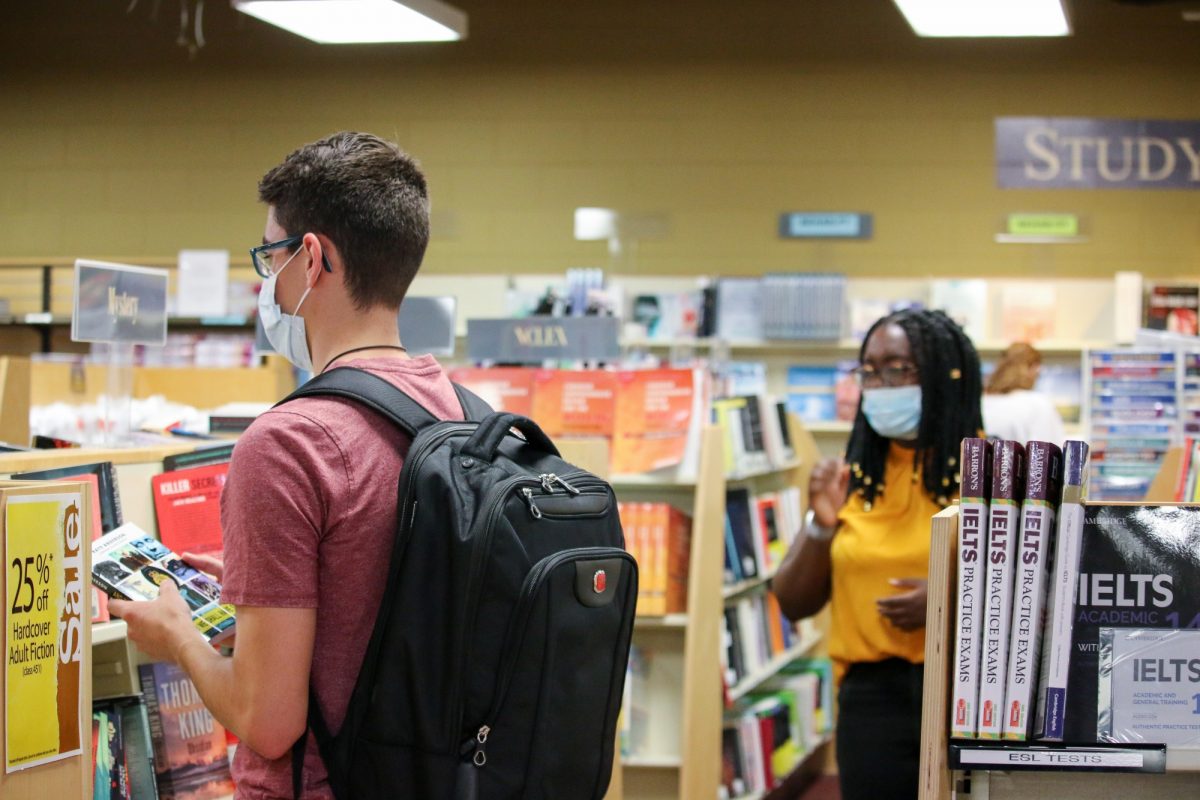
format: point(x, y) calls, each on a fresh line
point(986, 18)
point(361, 21)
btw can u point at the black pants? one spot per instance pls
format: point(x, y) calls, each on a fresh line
point(879, 730)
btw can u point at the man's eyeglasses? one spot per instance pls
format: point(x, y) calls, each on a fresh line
point(892, 375)
point(261, 256)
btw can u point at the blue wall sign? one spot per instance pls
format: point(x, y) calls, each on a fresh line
point(824, 225)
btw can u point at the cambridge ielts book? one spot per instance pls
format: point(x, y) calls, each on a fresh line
point(1140, 570)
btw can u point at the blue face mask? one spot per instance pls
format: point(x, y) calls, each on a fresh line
point(893, 411)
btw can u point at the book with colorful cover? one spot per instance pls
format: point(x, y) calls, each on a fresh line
point(575, 402)
point(129, 564)
point(1172, 307)
point(503, 388)
point(191, 762)
point(103, 757)
point(1034, 564)
point(678, 558)
point(775, 545)
point(653, 419)
point(1004, 524)
point(976, 465)
point(187, 504)
point(1056, 664)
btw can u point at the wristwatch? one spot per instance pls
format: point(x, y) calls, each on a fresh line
point(815, 530)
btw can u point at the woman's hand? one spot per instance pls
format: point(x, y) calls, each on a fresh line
point(905, 610)
point(827, 489)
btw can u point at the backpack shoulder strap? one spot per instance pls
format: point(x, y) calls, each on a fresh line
point(370, 390)
point(475, 408)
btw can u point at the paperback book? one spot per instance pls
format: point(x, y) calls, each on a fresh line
point(1056, 662)
point(191, 761)
point(1140, 569)
point(1033, 565)
point(976, 463)
point(1004, 515)
point(129, 564)
point(187, 503)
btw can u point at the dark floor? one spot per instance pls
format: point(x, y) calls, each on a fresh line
point(823, 788)
point(807, 787)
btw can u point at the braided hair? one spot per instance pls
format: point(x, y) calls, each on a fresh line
point(948, 366)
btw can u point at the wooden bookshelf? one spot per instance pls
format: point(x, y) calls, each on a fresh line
point(686, 701)
point(938, 782)
point(756, 679)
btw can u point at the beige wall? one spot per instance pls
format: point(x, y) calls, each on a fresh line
point(112, 164)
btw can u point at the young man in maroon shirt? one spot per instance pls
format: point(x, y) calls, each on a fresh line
point(309, 507)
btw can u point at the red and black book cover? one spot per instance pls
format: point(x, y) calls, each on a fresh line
point(187, 503)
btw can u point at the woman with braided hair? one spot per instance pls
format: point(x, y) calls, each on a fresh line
point(865, 544)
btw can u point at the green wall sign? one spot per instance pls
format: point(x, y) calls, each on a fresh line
point(1060, 225)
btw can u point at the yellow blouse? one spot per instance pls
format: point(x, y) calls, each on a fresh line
point(891, 540)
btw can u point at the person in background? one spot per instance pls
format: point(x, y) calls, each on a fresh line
point(1011, 409)
point(865, 543)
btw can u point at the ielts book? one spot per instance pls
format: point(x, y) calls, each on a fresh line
point(1004, 514)
point(976, 464)
point(1033, 565)
point(1140, 569)
point(1060, 615)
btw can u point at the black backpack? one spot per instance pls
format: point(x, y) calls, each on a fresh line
point(496, 666)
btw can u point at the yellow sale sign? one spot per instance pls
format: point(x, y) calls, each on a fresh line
point(46, 605)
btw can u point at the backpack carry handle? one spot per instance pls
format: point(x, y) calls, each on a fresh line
point(486, 440)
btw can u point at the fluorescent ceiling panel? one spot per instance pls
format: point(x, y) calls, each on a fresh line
point(983, 18)
point(361, 21)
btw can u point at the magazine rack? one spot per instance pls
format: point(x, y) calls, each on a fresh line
point(938, 782)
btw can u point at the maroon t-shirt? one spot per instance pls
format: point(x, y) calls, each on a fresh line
point(309, 517)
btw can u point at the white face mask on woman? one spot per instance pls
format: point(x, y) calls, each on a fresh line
point(894, 412)
point(285, 332)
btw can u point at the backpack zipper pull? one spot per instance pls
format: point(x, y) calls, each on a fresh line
point(548, 482)
point(561, 482)
point(533, 509)
point(480, 757)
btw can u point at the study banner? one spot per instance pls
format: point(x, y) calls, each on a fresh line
point(44, 604)
point(1087, 153)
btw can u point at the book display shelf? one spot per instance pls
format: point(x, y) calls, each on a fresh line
point(683, 707)
point(1181, 777)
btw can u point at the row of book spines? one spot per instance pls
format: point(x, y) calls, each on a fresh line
point(772, 524)
point(978, 707)
point(1187, 489)
point(122, 754)
point(773, 731)
point(659, 537)
point(755, 432)
point(756, 631)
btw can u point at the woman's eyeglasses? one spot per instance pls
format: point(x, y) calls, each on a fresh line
point(868, 377)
